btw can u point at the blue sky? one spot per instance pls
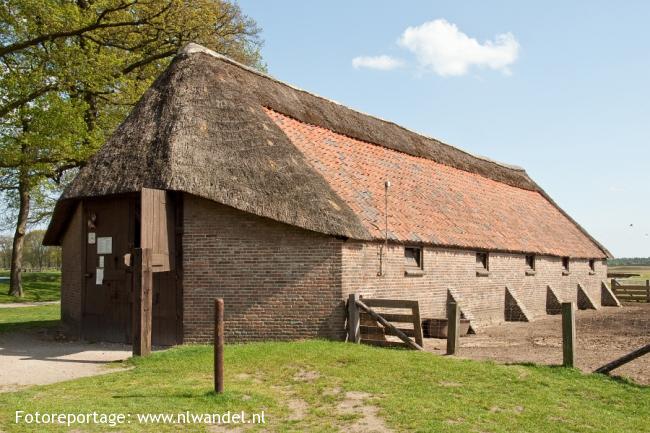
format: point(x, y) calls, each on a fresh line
point(562, 88)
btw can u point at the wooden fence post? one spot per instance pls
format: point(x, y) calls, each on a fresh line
point(218, 345)
point(354, 334)
point(568, 334)
point(453, 327)
point(142, 305)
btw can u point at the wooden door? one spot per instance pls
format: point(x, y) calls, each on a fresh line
point(107, 299)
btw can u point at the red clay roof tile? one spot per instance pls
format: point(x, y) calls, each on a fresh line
point(433, 203)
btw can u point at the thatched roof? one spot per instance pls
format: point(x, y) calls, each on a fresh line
point(203, 128)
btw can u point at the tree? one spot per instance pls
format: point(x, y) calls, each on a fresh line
point(72, 69)
point(5, 252)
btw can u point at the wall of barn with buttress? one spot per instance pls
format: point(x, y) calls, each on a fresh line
point(483, 297)
point(280, 282)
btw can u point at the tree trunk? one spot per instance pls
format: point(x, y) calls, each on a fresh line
point(15, 279)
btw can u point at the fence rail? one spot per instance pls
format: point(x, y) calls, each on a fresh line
point(631, 293)
point(365, 325)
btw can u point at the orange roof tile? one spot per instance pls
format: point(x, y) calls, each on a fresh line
point(433, 203)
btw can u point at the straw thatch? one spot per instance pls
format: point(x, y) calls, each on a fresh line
point(201, 129)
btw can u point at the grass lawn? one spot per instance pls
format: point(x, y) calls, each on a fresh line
point(38, 287)
point(302, 386)
point(14, 319)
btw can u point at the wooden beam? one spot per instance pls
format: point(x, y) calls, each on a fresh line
point(387, 324)
point(390, 303)
point(395, 318)
point(142, 305)
point(354, 334)
point(218, 345)
point(417, 325)
point(605, 369)
point(453, 328)
point(568, 334)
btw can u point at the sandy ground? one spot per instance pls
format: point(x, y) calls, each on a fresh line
point(602, 336)
point(27, 304)
point(33, 358)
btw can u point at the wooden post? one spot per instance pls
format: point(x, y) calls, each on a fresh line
point(218, 345)
point(354, 334)
point(453, 327)
point(568, 334)
point(647, 290)
point(142, 305)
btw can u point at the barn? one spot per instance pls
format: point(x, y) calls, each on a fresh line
point(283, 203)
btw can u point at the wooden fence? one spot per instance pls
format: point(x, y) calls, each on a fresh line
point(631, 293)
point(366, 325)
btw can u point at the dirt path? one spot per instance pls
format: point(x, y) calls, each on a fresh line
point(602, 336)
point(27, 304)
point(29, 358)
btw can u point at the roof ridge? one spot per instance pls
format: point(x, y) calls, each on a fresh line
point(193, 48)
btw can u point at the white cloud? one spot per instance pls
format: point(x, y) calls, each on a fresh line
point(440, 46)
point(383, 62)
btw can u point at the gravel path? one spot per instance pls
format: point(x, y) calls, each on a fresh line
point(29, 358)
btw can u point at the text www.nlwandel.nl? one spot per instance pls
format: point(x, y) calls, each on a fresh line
point(115, 419)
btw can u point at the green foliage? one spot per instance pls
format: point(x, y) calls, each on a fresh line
point(71, 70)
point(39, 287)
point(629, 261)
point(411, 391)
point(23, 318)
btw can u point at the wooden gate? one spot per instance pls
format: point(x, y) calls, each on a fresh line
point(370, 326)
point(631, 293)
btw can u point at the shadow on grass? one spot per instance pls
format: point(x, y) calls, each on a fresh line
point(31, 325)
point(560, 368)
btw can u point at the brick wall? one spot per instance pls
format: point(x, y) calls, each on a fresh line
point(72, 272)
point(481, 296)
point(277, 281)
point(281, 282)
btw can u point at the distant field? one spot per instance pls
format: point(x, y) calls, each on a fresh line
point(644, 272)
point(38, 287)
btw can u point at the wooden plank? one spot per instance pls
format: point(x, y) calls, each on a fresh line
point(389, 303)
point(142, 305)
point(156, 227)
point(354, 335)
point(384, 343)
point(387, 324)
point(453, 328)
point(376, 330)
point(568, 334)
point(395, 318)
point(605, 369)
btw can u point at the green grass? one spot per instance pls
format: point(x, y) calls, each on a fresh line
point(644, 272)
point(21, 318)
point(38, 287)
point(413, 391)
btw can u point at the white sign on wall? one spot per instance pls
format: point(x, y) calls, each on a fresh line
point(99, 276)
point(91, 238)
point(105, 245)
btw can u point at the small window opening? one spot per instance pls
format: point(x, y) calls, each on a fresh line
point(413, 257)
point(482, 261)
point(565, 264)
point(592, 265)
point(530, 262)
